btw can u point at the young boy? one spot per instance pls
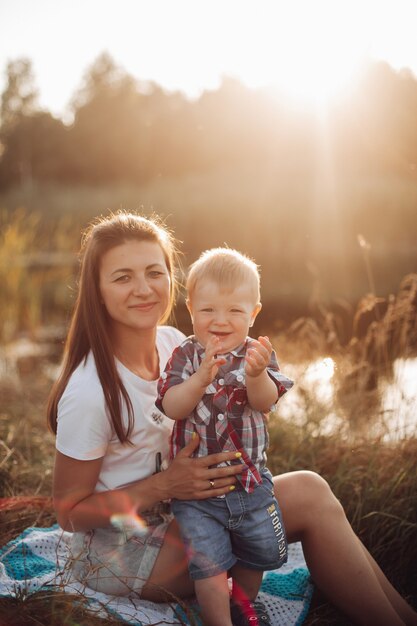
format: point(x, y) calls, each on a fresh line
point(220, 384)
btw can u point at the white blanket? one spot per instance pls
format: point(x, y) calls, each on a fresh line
point(37, 560)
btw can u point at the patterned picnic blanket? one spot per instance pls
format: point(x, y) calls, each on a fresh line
point(37, 560)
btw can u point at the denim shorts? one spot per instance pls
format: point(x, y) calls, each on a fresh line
point(238, 528)
point(119, 560)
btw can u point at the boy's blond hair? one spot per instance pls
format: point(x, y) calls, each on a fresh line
point(226, 267)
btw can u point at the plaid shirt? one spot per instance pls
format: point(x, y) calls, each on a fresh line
point(223, 418)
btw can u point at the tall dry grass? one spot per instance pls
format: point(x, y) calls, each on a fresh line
point(376, 480)
point(37, 265)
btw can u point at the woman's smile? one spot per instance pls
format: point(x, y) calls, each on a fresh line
point(145, 306)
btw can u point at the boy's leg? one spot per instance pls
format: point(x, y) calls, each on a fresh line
point(245, 609)
point(246, 583)
point(207, 540)
point(259, 543)
point(214, 600)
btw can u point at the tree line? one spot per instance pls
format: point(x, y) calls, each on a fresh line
point(124, 130)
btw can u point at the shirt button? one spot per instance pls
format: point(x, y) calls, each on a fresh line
point(239, 378)
point(220, 417)
point(221, 381)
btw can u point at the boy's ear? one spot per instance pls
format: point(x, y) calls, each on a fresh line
point(188, 305)
point(255, 312)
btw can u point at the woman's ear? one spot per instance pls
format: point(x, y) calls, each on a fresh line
point(255, 312)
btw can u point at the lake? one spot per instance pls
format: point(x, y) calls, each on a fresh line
point(317, 401)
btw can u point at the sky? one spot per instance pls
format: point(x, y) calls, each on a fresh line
point(309, 49)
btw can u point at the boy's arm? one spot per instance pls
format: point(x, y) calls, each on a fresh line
point(261, 388)
point(179, 400)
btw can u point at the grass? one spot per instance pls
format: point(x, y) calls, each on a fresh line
point(375, 479)
point(377, 484)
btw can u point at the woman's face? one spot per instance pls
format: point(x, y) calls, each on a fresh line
point(135, 284)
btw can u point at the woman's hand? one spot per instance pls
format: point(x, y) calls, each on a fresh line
point(190, 478)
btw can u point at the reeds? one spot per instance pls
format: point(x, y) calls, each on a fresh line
point(375, 479)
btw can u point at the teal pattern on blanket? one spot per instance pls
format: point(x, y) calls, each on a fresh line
point(38, 559)
point(292, 586)
point(21, 563)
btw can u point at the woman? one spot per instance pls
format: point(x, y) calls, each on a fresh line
point(111, 440)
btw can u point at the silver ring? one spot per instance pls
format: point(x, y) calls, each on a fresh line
point(211, 484)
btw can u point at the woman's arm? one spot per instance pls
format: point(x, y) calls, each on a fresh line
point(79, 508)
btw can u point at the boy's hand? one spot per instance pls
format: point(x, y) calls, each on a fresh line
point(211, 362)
point(258, 357)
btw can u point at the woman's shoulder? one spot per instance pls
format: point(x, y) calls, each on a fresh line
point(170, 336)
point(84, 428)
point(84, 383)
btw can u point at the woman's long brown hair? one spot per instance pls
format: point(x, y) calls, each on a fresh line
point(89, 327)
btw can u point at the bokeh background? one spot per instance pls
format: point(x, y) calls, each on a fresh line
point(287, 130)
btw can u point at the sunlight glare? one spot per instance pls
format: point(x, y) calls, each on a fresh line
point(132, 523)
point(305, 51)
point(301, 56)
point(321, 370)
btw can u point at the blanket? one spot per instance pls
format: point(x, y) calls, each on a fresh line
point(36, 560)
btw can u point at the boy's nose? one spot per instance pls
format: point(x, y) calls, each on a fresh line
point(221, 318)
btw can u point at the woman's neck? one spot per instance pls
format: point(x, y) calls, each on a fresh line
point(137, 351)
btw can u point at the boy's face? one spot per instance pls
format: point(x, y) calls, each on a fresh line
point(226, 314)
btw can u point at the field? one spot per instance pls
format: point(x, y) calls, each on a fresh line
point(376, 482)
point(375, 477)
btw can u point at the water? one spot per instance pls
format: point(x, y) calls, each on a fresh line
point(317, 401)
point(399, 399)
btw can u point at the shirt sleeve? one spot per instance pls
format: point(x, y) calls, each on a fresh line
point(83, 428)
point(283, 383)
point(177, 370)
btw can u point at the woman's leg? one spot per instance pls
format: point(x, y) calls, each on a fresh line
point(339, 564)
point(404, 610)
point(169, 576)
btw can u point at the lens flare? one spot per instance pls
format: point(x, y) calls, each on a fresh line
point(131, 523)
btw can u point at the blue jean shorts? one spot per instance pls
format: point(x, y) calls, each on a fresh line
point(118, 561)
point(238, 528)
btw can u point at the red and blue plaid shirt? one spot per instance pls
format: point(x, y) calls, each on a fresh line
point(223, 418)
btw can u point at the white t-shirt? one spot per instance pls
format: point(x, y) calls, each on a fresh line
point(85, 431)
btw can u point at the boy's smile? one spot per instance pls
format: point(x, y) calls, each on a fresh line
point(226, 314)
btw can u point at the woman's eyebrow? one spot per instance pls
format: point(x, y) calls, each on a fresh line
point(121, 269)
point(148, 267)
point(129, 269)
